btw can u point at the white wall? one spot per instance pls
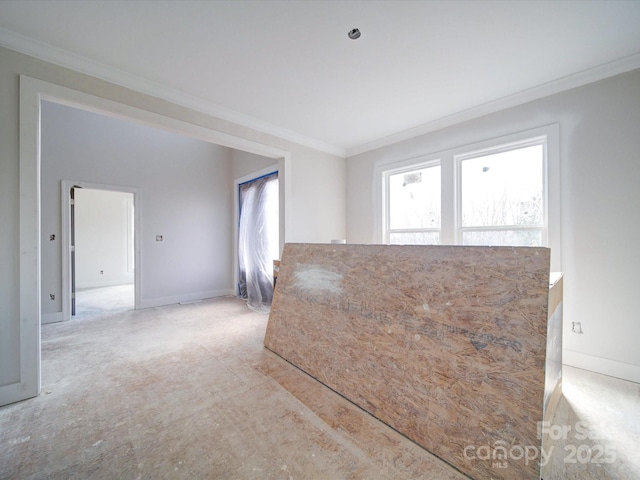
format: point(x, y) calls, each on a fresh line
point(185, 197)
point(324, 201)
point(244, 163)
point(9, 219)
point(600, 201)
point(319, 187)
point(104, 238)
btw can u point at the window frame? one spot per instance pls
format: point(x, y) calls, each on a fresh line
point(502, 148)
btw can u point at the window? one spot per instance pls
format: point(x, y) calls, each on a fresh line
point(502, 196)
point(499, 192)
point(414, 205)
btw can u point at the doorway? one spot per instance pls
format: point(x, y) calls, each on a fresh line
point(102, 253)
point(22, 377)
point(258, 239)
point(100, 257)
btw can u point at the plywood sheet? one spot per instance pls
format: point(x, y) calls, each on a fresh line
point(445, 344)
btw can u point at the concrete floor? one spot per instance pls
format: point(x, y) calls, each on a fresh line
point(188, 391)
point(104, 300)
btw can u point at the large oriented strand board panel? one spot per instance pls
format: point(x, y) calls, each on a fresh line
point(446, 344)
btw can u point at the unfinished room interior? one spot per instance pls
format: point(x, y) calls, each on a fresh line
point(319, 239)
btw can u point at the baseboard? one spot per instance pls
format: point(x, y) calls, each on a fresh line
point(191, 297)
point(92, 285)
point(51, 317)
point(605, 366)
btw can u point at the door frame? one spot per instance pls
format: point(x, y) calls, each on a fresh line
point(67, 275)
point(32, 92)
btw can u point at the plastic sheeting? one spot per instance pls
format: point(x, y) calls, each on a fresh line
point(258, 240)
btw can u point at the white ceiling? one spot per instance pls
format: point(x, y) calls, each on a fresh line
point(288, 67)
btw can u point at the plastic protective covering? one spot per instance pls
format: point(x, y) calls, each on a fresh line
point(258, 240)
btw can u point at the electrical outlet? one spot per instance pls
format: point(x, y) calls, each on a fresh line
point(576, 327)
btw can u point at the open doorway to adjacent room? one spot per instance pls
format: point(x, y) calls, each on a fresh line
point(102, 253)
point(44, 266)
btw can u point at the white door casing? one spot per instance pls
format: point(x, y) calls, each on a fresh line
point(67, 274)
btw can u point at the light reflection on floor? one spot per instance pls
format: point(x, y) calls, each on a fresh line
point(597, 428)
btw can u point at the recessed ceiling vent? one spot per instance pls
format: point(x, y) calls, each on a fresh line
point(354, 34)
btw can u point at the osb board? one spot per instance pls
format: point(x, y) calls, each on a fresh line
point(444, 344)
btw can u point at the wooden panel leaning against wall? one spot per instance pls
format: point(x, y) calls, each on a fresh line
point(446, 344)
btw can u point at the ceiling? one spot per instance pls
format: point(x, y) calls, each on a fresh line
point(288, 67)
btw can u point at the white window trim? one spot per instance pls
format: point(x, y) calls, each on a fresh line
point(449, 171)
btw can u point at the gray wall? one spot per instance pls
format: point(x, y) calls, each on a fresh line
point(600, 201)
point(185, 191)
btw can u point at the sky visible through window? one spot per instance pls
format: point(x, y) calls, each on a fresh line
point(503, 189)
point(415, 199)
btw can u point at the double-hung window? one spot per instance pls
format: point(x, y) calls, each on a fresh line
point(499, 192)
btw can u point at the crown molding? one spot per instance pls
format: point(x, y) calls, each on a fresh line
point(579, 79)
point(81, 64)
point(113, 75)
